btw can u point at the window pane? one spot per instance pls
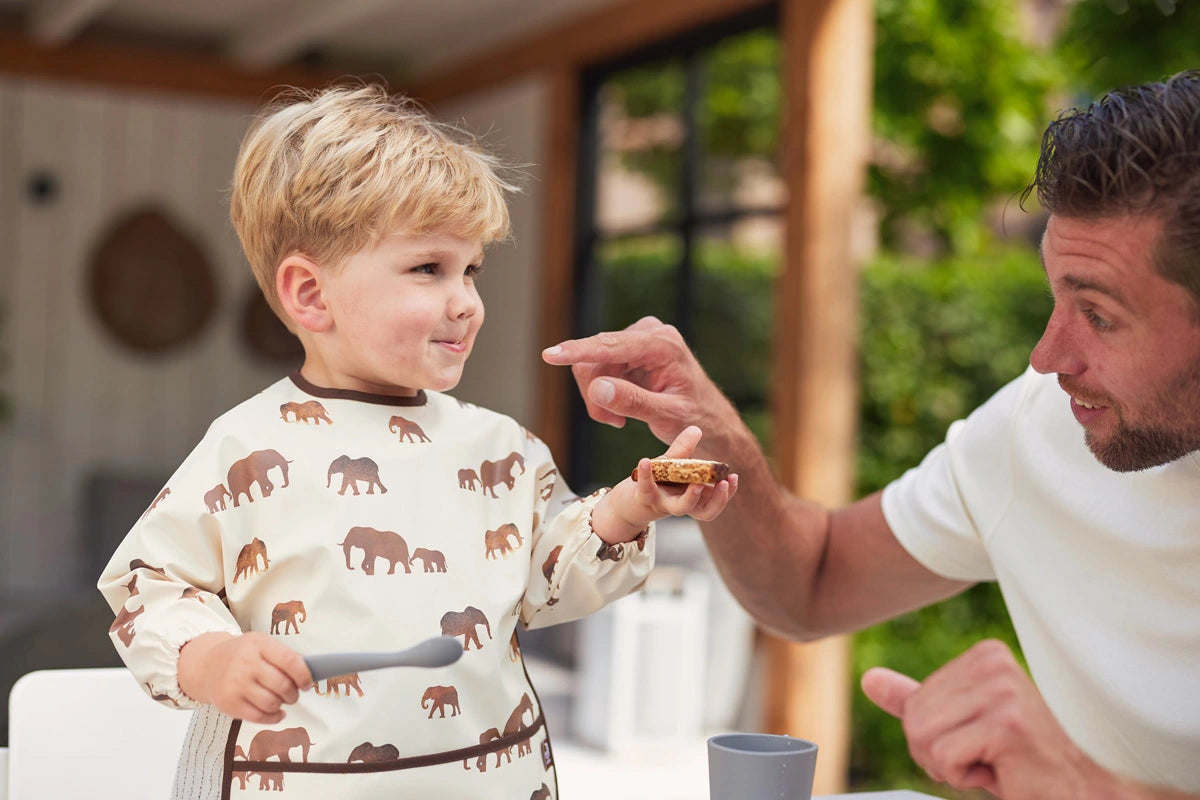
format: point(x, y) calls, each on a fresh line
point(738, 119)
point(737, 267)
point(640, 158)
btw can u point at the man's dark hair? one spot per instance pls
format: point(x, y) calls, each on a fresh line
point(1133, 151)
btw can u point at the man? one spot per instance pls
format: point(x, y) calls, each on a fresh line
point(1076, 487)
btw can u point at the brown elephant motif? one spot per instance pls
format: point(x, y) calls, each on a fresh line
point(408, 430)
point(490, 735)
point(334, 685)
point(463, 623)
point(214, 498)
point(440, 697)
point(160, 696)
point(541, 794)
point(497, 541)
point(354, 470)
point(123, 624)
point(434, 560)
point(268, 743)
point(516, 724)
point(467, 479)
point(303, 412)
point(493, 473)
point(285, 614)
point(514, 648)
point(247, 560)
point(610, 552)
point(137, 563)
point(551, 562)
point(253, 469)
point(368, 753)
point(192, 593)
point(131, 587)
point(269, 780)
point(240, 775)
point(546, 480)
point(376, 544)
point(166, 491)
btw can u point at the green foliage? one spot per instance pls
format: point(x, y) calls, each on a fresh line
point(937, 340)
point(958, 115)
point(1107, 44)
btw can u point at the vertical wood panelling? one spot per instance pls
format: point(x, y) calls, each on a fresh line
point(84, 402)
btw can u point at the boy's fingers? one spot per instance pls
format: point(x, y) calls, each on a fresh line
point(889, 689)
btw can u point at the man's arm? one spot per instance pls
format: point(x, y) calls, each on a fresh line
point(797, 567)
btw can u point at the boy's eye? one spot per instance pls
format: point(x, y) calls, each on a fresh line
point(474, 270)
point(428, 269)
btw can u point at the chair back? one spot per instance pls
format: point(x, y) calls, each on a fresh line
point(90, 733)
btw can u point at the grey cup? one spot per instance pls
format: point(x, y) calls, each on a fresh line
point(757, 766)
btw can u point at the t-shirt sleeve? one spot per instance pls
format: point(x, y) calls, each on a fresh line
point(573, 571)
point(943, 511)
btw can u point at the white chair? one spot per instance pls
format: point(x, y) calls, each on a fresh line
point(89, 733)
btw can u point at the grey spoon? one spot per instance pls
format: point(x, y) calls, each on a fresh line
point(437, 651)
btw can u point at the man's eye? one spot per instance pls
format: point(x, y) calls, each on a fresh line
point(1095, 320)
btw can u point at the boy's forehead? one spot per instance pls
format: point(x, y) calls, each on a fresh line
point(434, 246)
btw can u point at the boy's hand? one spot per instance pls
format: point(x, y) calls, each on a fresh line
point(632, 505)
point(249, 677)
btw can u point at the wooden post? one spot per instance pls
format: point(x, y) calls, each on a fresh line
point(827, 90)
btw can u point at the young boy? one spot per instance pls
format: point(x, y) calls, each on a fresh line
point(352, 506)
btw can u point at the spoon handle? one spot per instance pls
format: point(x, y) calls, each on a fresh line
point(436, 652)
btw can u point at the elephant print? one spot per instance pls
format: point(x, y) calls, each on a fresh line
point(247, 560)
point(439, 697)
point(546, 481)
point(368, 753)
point(285, 614)
point(354, 470)
point(490, 735)
point(376, 544)
point(610, 552)
point(408, 430)
point(334, 685)
point(541, 794)
point(308, 410)
point(467, 478)
point(514, 648)
point(240, 775)
point(551, 562)
point(214, 498)
point(434, 560)
point(269, 781)
point(516, 724)
point(166, 491)
point(253, 469)
point(268, 743)
point(123, 624)
point(131, 587)
point(137, 563)
point(192, 593)
point(464, 623)
point(160, 696)
point(497, 541)
point(493, 473)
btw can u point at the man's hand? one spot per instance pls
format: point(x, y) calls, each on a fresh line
point(249, 677)
point(647, 372)
point(979, 722)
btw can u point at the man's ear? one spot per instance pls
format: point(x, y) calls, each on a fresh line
point(298, 282)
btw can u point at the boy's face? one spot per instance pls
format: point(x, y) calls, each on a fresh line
point(405, 313)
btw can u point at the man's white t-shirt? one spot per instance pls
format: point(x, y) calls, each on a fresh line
point(1100, 571)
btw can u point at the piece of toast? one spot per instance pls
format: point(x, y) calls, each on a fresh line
point(686, 470)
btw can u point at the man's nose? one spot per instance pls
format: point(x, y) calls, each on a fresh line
point(1056, 352)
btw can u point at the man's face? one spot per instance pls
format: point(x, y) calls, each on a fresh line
point(1123, 339)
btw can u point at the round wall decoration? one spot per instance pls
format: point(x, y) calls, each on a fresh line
point(150, 284)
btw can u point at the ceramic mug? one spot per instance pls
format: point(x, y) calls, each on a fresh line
point(750, 766)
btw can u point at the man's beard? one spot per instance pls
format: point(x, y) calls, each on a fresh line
point(1132, 449)
point(1171, 432)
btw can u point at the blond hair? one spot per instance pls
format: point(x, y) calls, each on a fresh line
point(326, 173)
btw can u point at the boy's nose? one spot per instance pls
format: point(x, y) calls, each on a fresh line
point(464, 303)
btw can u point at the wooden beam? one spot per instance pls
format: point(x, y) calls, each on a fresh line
point(278, 39)
point(560, 161)
point(146, 67)
point(827, 89)
point(594, 37)
point(57, 22)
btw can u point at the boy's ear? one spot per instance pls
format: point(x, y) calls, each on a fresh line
point(298, 284)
